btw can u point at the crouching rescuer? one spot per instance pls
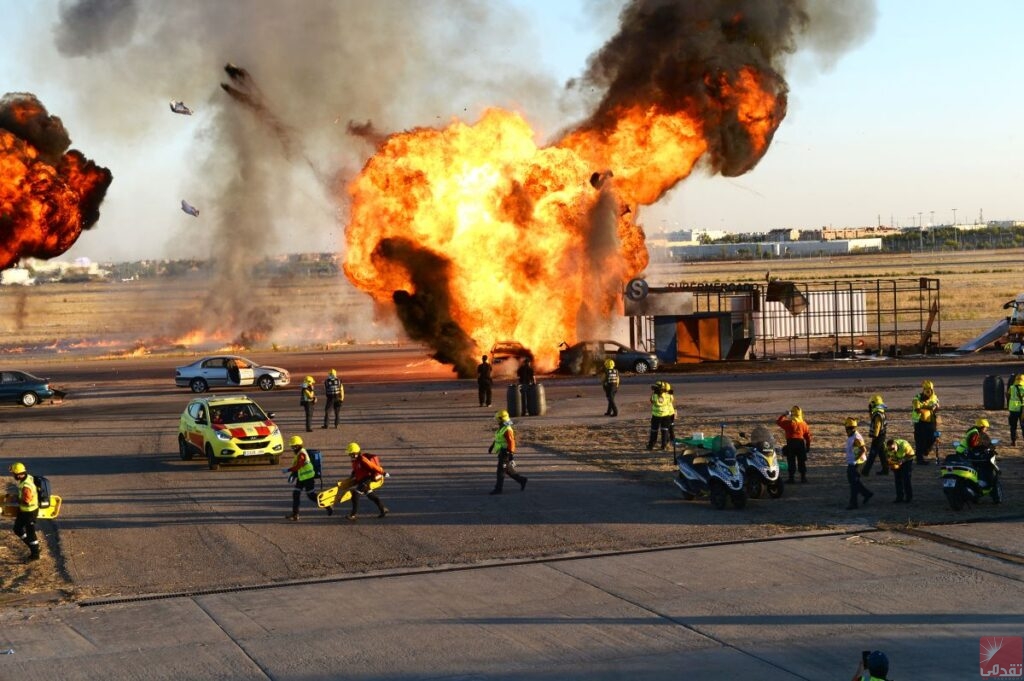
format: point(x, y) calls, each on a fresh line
point(28, 508)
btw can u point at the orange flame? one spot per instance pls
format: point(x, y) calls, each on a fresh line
point(530, 243)
point(47, 197)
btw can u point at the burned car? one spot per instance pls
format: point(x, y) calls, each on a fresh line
point(588, 357)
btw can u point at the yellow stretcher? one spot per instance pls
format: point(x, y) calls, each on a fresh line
point(10, 507)
point(342, 492)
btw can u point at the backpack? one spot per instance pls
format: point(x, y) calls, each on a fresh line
point(42, 490)
point(373, 461)
point(317, 459)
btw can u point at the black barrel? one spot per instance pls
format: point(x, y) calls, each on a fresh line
point(536, 403)
point(993, 393)
point(515, 401)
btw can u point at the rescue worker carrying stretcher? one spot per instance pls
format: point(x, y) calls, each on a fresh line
point(366, 468)
point(303, 474)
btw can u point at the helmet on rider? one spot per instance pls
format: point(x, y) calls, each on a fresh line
point(850, 422)
point(16, 468)
point(609, 364)
point(501, 416)
point(353, 448)
point(981, 423)
point(878, 664)
point(296, 441)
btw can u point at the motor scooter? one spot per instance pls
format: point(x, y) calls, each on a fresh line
point(968, 477)
point(759, 461)
point(707, 468)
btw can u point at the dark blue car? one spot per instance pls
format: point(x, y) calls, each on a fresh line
point(24, 388)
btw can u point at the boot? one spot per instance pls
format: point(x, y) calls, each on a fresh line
point(330, 510)
point(33, 552)
point(292, 516)
point(522, 483)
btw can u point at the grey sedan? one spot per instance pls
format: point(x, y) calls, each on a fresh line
point(228, 371)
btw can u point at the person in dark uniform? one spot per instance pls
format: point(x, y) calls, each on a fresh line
point(525, 372)
point(307, 399)
point(877, 430)
point(484, 382)
point(610, 383)
point(334, 391)
point(504, 446)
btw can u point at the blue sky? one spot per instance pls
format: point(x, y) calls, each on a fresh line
point(921, 118)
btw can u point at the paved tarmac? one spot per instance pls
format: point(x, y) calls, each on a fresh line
point(809, 607)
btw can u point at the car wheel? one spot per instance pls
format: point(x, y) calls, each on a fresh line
point(265, 383)
point(755, 487)
point(183, 449)
point(199, 385)
point(641, 367)
point(719, 496)
point(30, 399)
point(775, 489)
point(211, 459)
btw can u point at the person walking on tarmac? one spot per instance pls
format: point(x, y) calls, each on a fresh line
point(1014, 406)
point(307, 399)
point(303, 475)
point(856, 454)
point(334, 391)
point(925, 419)
point(504, 446)
point(798, 441)
point(876, 430)
point(662, 412)
point(28, 508)
point(484, 381)
point(901, 460)
point(610, 383)
point(366, 468)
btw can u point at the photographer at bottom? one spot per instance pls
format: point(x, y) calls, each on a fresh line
point(874, 666)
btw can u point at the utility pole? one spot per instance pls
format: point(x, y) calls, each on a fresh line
point(956, 232)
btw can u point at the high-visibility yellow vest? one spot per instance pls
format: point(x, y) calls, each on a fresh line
point(306, 471)
point(32, 504)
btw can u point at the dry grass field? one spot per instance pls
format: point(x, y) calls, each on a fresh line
point(164, 315)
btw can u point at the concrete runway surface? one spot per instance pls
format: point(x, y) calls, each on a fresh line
point(185, 573)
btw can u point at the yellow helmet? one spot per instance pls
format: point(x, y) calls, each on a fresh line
point(334, 374)
point(353, 448)
point(609, 364)
point(502, 415)
point(309, 379)
point(17, 468)
point(797, 412)
point(981, 423)
point(927, 385)
point(1018, 379)
point(850, 422)
point(296, 441)
point(875, 400)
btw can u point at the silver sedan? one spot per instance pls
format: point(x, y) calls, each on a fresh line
point(228, 371)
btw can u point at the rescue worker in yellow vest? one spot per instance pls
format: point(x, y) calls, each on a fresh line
point(307, 399)
point(662, 412)
point(610, 383)
point(856, 455)
point(303, 475)
point(976, 440)
point(901, 460)
point(925, 419)
point(876, 431)
point(1014, 405)
point(28, 508)
point(334, 393)
point(505, 446)
point(874, 666)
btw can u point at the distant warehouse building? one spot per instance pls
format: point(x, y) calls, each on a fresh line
point(774, 249)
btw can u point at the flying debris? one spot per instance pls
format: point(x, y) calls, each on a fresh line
point(189, 208)
point(236, 72)
point(180, 108)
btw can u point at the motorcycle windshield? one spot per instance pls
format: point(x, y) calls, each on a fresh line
point(723, 447)
point(762, 437)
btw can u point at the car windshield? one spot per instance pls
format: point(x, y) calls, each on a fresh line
point(238, 413)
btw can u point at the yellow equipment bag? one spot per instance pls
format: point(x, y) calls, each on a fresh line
point(10, 507)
